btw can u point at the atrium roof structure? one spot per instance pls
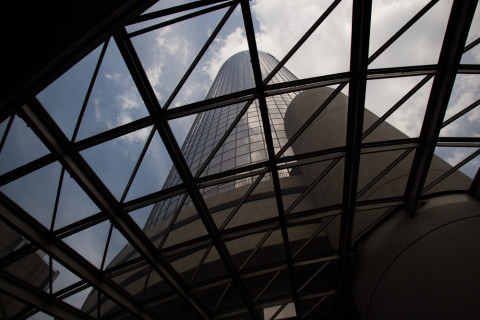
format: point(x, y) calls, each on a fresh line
point(84, 123)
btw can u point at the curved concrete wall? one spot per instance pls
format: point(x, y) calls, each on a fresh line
point(328, 130)
point(422, 267)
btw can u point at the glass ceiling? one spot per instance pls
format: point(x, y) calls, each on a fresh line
point(83, 164)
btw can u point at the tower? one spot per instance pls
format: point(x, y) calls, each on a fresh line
point(245, 145)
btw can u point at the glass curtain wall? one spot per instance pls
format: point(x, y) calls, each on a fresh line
point(245, 145)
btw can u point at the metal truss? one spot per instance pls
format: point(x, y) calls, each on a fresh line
point(306, 292)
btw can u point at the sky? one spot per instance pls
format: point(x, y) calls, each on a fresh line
point(166, 54)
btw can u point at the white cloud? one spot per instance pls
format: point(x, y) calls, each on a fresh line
point(282, 25)
point(154, 73)
point(128, 100)
point(115, 76)
point(224, 49)
point(175, 43)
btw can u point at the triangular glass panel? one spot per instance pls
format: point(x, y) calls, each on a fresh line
point(231, 299)
point(259, 205)
point(315, 276)
point(159, 6)
point(77, 300)
point(175, 47)
point(40, 316)
point(444, 160)
point(225, 67)
point(323, 186)
point(472, 56)
point(277, 106)
point(108, 307)
point(90, 243)
point(186, 226)
point(421, 43)
point(241, 248)
point(3, 127)
point(366, 220)
point(318, 308)
point(63, 276)
point(284, 311)
point(201, 82)
point(32, 269)
point(404, 122)
point(119, 250)
point(35, 193)
point(73, 204)
point(384, 174)
point(388, 18)
point(309, 239)
point(140, 216)
point(153, 172)
point(243, 146)
point(11, 240)
point(384, 94)
point(167, 309)
point(186, 264)
point(311, 115)
point(278, 286)
point(133, 281)
point(463, 108)
point(277, 31)
point(326, 51)
point(212, 268)
point(114, 100)
point(156, 287)
point(21, 146)
point(224, 200)
point(114, 160)
point(63, 98)
point(212, 295)
point(272, 251)
point(254, 285)
point(12, 308)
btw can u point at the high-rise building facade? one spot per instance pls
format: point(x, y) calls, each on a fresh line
point(246, 143)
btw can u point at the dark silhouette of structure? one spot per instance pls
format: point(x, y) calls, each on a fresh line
point(348, 218)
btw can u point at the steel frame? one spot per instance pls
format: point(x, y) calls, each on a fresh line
point(67, 152)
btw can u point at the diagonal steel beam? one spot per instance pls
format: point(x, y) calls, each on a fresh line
point(52, 136)
point(32, 230)
point(146, 91)
point(453, 43)
point(31, 295)
point(260, 88)
point(356, 106)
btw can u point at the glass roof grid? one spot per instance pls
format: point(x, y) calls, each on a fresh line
point(200, 57)
point(396, 14)
point(173, 52)
point(301, 41)
point(126, 151)
point(162, 18)
point(326, 172)
point(458, 158)
point(420, 43)
point(20, 146)
point(89, 91)
point(151, 172)
point(114, 99)
point(456, 32)
point(396, 106)
point(371, 174)
point(65, 98)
